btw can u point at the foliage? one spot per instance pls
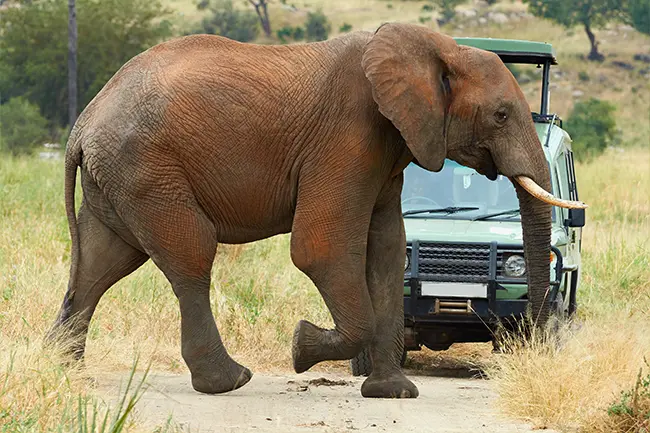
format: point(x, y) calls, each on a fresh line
point(447, 9)
point(491, 2)
point(33, 47)
point(317, 26)
point(345, 27)
point(632, 411)
point(21, 126)
point(287, 32)
point(639, 13)
point(588, 13)
point(225, 20)
point(583, 76)
point(592, 127)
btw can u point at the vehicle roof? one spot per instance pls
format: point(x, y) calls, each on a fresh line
point(512, 50)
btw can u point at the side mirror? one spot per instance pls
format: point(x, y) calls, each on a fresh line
point(576, 218)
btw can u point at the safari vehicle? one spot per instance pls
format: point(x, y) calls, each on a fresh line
point(464, 269)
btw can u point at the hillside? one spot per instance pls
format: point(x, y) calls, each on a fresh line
point(620, 79)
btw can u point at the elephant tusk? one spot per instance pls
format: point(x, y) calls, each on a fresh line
point(538, 192)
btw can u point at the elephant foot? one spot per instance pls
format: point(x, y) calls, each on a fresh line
point(223, 380)
point(306, 346)
point(395, 385)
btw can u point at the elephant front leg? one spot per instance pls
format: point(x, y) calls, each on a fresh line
point(328, 243)
point(385, 276)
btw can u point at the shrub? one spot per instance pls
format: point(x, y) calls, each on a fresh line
point(583, 76)
point(317, 26)
point(345, 27)
point(288, 32)
point(447, 9)
point(225, 20)
point(21, 126)
point(298, 33)
point(427, 8)
point(631, 413)
point(592, 127)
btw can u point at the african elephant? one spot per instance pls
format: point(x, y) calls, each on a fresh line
point(201, 140)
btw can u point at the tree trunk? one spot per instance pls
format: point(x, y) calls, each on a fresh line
point(72, 63)
point(261, 8)
point(593, 54)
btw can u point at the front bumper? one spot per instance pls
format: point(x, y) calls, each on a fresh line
point(422, 311)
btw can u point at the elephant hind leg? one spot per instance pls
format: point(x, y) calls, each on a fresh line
point(182, 242)
point(104, 259)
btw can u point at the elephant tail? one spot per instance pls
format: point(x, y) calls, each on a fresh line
point(72, 161)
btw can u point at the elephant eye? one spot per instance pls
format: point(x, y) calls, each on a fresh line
point(501, 116)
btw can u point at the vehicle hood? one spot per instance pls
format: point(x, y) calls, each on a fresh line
point(455, 230)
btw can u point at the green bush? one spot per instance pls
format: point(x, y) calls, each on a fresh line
point(583, 76)
point(447, 9)
point(225, 20)
point(21, 126)
point(298, 33)
point(592, 127)
point(317, 26)
point(287, 32)
point(345, 27)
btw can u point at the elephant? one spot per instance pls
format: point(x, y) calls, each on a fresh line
point(201, 139)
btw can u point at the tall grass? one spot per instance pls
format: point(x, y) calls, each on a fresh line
point(573, 386)
point(257, 297)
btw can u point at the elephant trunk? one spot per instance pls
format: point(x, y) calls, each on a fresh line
point(536, 226)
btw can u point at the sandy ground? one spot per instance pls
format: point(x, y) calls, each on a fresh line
point(309, 403)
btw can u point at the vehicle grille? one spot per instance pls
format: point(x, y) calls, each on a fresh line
point(454, 262)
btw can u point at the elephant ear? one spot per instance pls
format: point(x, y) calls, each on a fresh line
point(408, 69)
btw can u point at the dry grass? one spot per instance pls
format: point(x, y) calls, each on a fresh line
point(571, 386)
point(258, 296)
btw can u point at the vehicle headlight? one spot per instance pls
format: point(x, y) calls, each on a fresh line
point(515, 266)
point(407, 260)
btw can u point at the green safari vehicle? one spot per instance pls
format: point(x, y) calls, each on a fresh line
point(464, 266)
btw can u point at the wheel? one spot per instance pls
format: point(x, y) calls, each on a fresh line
point(361, 365)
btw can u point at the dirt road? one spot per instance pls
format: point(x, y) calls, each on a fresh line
point(319, 403)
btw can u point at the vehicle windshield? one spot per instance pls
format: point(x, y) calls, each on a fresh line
point(467, 193)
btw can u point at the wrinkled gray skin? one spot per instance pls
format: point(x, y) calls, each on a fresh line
point(202, 140)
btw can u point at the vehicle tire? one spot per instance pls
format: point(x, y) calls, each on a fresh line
point(361, 365)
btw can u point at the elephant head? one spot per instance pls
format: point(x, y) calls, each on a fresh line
point(462, 103)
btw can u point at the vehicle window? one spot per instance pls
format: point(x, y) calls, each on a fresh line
point(573, 186)
point(457, 186)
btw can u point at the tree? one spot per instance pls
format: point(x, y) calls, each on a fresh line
point(33, 48)
point(262, 11)
point(317, 26)
point(225, 20)
point(590, 14)
point(72, 63)
point(639, 15)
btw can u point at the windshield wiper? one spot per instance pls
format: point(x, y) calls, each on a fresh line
point(446, 210)
point(511, 212)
